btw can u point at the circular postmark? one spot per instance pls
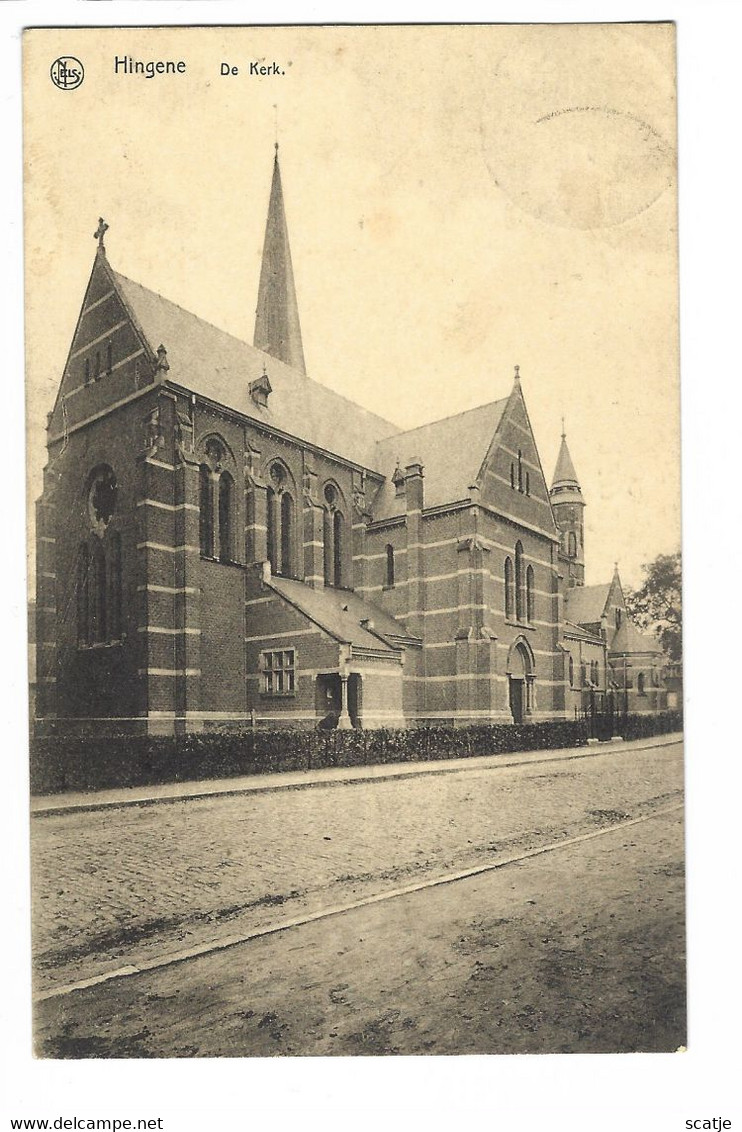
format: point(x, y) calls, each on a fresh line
point(67, 72)
point(577, 125)
point(584, 166)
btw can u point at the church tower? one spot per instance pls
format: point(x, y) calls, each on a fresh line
point(569, 514)
point(277, 329)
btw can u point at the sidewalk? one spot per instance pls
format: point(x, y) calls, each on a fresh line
point(54, 804)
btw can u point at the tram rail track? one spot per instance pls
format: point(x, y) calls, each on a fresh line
point(451, 877)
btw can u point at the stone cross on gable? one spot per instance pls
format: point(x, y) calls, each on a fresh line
point(100, 232)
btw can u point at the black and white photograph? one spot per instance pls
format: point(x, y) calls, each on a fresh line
point(370, 751)
point(354, 456)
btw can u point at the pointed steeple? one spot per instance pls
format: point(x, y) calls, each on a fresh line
point(568, 507)
point(565, 475)
point(277, 329)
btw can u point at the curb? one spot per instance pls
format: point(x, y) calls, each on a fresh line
point(228, 942)
point(366, 774)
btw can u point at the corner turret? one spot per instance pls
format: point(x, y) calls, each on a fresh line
point(568, 507)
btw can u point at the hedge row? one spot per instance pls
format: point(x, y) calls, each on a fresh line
point(66, 763)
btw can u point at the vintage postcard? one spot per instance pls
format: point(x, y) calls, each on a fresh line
point(354, 540)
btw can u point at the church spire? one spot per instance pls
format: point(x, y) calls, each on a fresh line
point(565, 475)
point(277, 329)
point(568, 507)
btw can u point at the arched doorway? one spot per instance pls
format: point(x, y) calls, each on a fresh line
point(521, 679)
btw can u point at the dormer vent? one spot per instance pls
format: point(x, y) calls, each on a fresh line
point(260, 390)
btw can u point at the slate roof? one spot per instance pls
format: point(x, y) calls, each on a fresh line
point(214, 364)
point(580, 633)
point(628, 639)
point(451, 451)
point(585, 604)
point(340, 613)
point(564, 473)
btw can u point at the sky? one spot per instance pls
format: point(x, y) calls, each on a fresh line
point(459, 200)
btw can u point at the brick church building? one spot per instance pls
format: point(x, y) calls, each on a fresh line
point(222, 539)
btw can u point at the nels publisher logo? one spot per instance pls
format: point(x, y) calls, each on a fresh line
point(67, 72)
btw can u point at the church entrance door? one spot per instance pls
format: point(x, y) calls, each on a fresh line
point(516, 698)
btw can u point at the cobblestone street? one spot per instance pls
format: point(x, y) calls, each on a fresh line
point(117, 885)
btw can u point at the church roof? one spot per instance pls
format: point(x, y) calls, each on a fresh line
point(585, 605)
point(628, 639)
point(580, 633)
point(210, 362)
point(451, 451)
point(564, 473)
point(340, 613)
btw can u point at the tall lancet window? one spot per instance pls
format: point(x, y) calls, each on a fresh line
point(338, 530)
point(530, 605)
point(509, 587)
point(281, 524)
point(287, 534)
point(83, 622)
point(226, 508)
point(206, 511)
point(327, 546)
point(519, 582)
point(389, 566)
point(98, 604)
point(334, 538)
point(114, 586)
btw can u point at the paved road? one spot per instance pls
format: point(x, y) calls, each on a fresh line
point(116, 887)
point(577, 950)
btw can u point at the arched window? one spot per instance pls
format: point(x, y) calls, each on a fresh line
point(389, 566)
point(572, 545)
point(618, 618)
point(640, 684)
point(529, 594)
point(520, 470)
point(327, 546)
point(206, 511)
point(113, 557)
point(508, 587)
point(512, 475)
point(528, 484)
point(226, 524)
point(338, 531)
point(334, 538)
point(83, 597)
point(280, 522)
point(519, 581)
point(97, 593)
point(571, 672)
point(287, 534)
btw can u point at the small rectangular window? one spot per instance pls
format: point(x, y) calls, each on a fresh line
point(278, 672)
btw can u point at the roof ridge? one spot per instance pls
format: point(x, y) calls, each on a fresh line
point(442, 420)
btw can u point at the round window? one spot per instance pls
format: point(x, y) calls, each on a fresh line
point(102, 497)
